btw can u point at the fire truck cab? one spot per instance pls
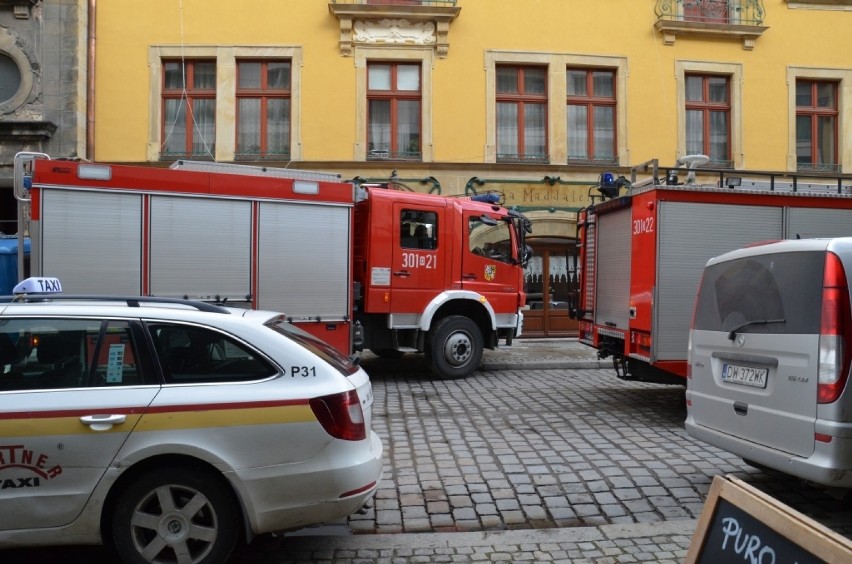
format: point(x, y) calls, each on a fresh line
point(360, 267)
point(441, 275)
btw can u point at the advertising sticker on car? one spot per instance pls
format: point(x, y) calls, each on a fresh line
point(745, 375)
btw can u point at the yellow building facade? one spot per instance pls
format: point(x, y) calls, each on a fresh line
point(532, 98)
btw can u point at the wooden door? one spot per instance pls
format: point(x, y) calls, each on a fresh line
point(548, 280)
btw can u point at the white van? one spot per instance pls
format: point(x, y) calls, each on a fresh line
point(769, 358)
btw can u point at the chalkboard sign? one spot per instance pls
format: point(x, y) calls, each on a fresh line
point(742, 524)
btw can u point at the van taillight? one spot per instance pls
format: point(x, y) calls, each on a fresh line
point(341, 416)
point(834, 333)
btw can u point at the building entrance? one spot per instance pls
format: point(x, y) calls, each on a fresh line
point(549, 279)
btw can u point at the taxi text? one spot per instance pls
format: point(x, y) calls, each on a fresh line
point(18, 456)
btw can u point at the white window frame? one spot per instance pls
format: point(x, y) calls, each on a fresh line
point(557, 93)
point(844, 111)
point(836, 5)
point(226, 93)
point(734, 72)
point(365, 55)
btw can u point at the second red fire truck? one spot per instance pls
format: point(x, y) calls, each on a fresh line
point(643, 248)
point(360, 267)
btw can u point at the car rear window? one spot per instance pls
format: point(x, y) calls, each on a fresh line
point(777, 293)
point(338, 360)
point(193, 355)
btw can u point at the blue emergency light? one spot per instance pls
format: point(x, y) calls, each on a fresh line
point(489, 198)
point(608, 185)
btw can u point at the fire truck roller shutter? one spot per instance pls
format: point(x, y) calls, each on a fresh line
point(613, 269)
point(304, 258)
point(690, 234)
point(213, 257)
point(91, 232)
point(812, 223)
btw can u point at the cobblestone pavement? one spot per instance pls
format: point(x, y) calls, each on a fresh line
point(543, 456)
point(561, 462)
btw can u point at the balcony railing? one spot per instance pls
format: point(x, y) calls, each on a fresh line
point(737, 12)
point(818, 167)
point(516, 158)
point(595, 161)
point(258, 156)
point(398, 2)
point(384, 155)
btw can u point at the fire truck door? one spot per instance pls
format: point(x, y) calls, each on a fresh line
point(488, 264)
point(418, 264)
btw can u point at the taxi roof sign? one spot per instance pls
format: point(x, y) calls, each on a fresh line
point(38, 285)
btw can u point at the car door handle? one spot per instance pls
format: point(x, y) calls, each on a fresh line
point(469, 276)
point(102, 422)
point(740, 408)
point(403, 273)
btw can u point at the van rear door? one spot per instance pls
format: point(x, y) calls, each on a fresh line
point(755, 343)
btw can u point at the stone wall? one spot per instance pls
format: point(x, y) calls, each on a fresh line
point(42, 86)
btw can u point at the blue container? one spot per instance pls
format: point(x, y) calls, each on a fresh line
point(9, 262)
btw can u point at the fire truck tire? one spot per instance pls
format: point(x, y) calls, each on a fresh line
point(198, 523)
point(455, 347)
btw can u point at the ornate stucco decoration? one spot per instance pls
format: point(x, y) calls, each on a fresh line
point(395, 32)
point(394, 25)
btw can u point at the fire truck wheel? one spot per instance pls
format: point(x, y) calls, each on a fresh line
point(455, 349)
point(175, 515)
point(388, 354)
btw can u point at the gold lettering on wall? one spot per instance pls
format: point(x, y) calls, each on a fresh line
point(536, 195)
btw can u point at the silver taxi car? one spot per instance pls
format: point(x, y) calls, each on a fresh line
point(172, 430)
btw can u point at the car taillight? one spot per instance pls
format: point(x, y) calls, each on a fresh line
point(689, 356)
point(691, 329)
point(834, 332)
point(341, 416)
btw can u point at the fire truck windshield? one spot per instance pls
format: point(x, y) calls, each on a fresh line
point(503, 241)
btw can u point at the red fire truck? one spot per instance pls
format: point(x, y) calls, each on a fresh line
point(360, 267)
point(643, 247)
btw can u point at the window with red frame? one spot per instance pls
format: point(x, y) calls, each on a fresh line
point(521, 113)
point(591, 115)
point(393, 111)
point(708, 118)
point(189, 109)
point(263, 109)
point(816, 125)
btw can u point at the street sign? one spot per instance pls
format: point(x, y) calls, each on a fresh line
point(742, 523)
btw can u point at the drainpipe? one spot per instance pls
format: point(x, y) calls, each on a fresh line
point(90, 81)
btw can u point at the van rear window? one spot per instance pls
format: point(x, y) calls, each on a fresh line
point(776, 293)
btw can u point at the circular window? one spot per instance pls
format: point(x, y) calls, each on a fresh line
point(10, 78)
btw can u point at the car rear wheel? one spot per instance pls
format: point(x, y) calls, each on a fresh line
point(455, 349)
point(175, 516)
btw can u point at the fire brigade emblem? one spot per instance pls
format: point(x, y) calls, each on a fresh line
point(490, 272)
